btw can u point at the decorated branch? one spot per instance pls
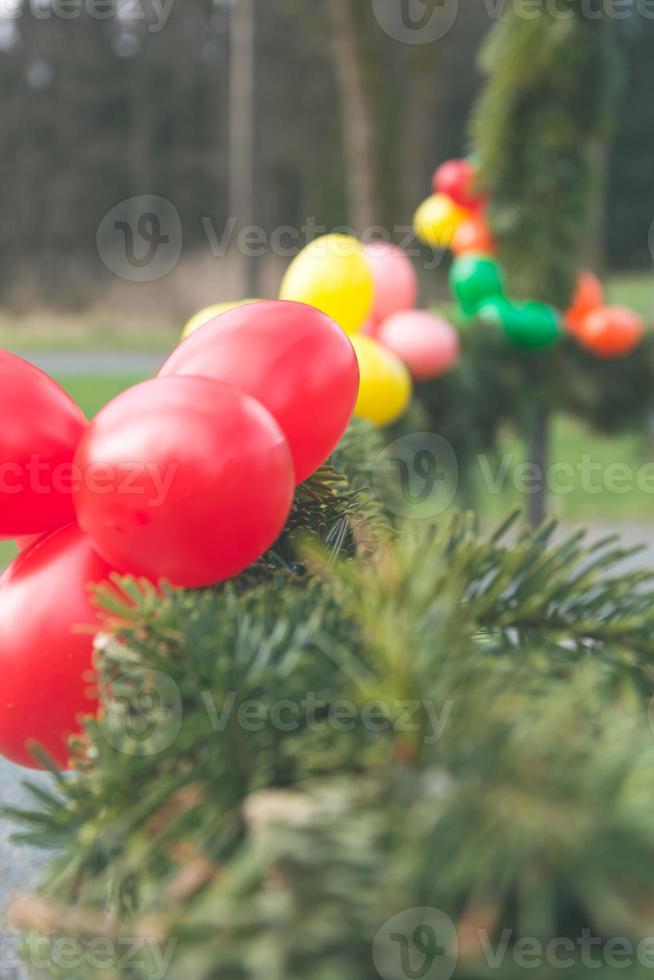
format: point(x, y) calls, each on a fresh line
point(455, 218)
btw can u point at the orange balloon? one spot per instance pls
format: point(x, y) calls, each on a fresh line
point(474, 235)
point(589, 296)
point(611, 331)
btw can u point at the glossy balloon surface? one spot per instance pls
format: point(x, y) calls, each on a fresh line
point(396, 282)
point(210, 312)
point(45, 652)
point(437, 220)
point(611, 331)
point(474, 280)
point(427, 344)
point(456, 179)
point(589, 296)
point(291, 358)
point(385, 389)
point(184, 479)
point(532, 325)
point(40, 427)
point(332, 274)
point(473, 235)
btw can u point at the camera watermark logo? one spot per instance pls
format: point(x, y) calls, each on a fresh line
point(417, 944)
point(142, 712)
point(141, 238)
point(416, 21)
point(416, 475)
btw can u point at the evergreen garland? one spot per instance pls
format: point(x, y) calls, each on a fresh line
point(545, 113)
point(493, 761)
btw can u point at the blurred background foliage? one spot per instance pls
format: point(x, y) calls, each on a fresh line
point(96, 110)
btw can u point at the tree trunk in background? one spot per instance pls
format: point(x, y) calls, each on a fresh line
point(242, 146)
point(358, 124)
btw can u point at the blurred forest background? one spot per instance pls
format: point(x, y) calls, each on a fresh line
point(348, 127)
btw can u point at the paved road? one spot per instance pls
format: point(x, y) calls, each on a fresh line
point(96, 363)
point(19, 866)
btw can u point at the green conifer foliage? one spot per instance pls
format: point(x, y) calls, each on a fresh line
point(538, 132)
point(440, 720)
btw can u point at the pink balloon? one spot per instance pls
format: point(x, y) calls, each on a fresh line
point(370, 328)
point(396, 282)
point(428, 345)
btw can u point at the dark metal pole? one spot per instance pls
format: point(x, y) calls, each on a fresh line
point(539, 458)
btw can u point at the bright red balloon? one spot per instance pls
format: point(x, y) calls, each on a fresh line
point(611, 331)
point(41, 427)
point(456, 179)
point(45, 660)
point(428, 345)
point(396, 282)
point(184, 479)
point(474, 236)
point(290, 357)
point(25, 541)
point(589, 296)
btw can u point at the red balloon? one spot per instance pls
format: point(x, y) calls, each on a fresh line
point(589, 296)
point(474, 236)
point(428, 345)
point(26, 541)
point(611, 331)
point(185, 479)
point(290, 357)
point(45, 661)
point(41, 427)
point(456, 179)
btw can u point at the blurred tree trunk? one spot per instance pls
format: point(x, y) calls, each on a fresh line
point(242, 123)
point(358, 122)
point(422, 115)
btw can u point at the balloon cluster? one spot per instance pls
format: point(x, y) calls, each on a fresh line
point(188, 477)
point(454, 218)
point(371, 291)
point(607, 331)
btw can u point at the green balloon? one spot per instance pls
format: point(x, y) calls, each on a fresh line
point(474, 279)
point(532, 325)
point(497, 312)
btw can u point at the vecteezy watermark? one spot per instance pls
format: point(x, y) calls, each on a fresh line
point(587, 476)
point(126, 955)
point(427, 21)
point(142, 711)
point(153, 15)
point(416, 475)
point(416, 944)
point(416, 21)
point(422, 944)
point(140, 478)
point(312, 712)
point(141, 238)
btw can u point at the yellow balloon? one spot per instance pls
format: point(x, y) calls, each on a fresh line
point(437, 220)
point(333, 275)
point(210, 312)
point(385, 387)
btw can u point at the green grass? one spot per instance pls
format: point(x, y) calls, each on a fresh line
point(635, 289)
point(590, 477)
point(89, 331)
